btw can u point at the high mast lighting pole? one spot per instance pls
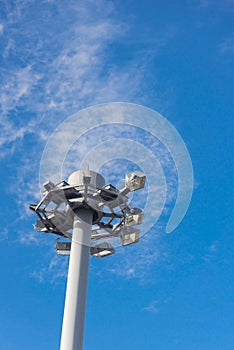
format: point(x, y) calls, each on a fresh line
point(89, 214)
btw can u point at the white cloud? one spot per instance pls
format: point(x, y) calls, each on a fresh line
point(152, 307)
point(1, 28)
point(211, 252)
point(61, 64)
point(55, 270)
point(204, 3)
point(62, 80)
point(4, 234)
point(29, 238)
point(227, 46)
point(224, 5)
point(136, 262)
point(15, 89)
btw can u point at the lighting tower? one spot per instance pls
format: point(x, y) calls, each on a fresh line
point(90, 214)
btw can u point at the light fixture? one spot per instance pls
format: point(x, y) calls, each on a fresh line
point(135, 180)
point(130, 236)
point(101, 250)
point(63, 248)
point(133, 216)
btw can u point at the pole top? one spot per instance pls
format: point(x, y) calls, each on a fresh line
point(81, 177)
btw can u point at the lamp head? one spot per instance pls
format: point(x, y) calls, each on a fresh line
point(101, 250)
point(133, 216)
point(135, 180)
point(63, 248)
point(130, 236)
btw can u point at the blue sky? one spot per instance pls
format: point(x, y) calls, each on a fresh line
point(169, 291)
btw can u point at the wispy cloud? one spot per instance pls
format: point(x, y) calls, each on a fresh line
point(63, 63)
point(1, 28)
point(4, 234)
point(227, 45)
point(211, 252)
point(28, 238)
point(204, 3)
point(15, 87)
point(225, 5)
point(152, 307)
point(136, 262)
point(53, 272)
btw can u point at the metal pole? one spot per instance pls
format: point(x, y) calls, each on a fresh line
point(75, 303)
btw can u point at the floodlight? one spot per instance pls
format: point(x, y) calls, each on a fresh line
point(130, 237)
point(101, 250)
point(63, 248)
point(133, 216)
point(135, 180)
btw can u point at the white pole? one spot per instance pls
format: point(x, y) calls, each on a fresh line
point(77, 281)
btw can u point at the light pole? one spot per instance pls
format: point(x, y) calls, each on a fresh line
point(84, 211)
point(75, 302)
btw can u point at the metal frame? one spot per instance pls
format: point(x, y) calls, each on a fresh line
point(56, 209)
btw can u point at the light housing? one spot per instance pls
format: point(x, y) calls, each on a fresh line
point(101, 250)
point(133, 216)
point(130, 237)
point(135, 180)
point(63, 248)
